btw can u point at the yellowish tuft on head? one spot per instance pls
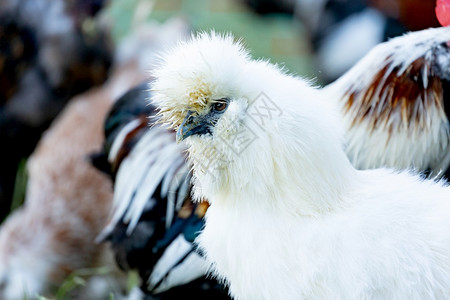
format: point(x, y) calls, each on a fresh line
point(195, 73)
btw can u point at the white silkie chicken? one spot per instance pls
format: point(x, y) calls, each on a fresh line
point(289, 216)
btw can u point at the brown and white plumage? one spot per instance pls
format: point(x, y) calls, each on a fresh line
point(394, 103)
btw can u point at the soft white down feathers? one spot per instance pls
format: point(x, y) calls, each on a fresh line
point(290, 218)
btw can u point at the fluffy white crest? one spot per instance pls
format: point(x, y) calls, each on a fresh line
point(196, 72)
point(265, 105)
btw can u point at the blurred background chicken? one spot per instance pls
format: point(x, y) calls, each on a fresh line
point(343, 31)
point(395, 104)
point(66, 205)
point(50, 50)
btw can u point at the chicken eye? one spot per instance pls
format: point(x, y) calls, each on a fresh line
point(220, 105)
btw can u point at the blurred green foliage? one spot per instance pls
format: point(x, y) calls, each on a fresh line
point(276, 36)
point(20, 185)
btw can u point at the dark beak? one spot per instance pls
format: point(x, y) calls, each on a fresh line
point(192, 124)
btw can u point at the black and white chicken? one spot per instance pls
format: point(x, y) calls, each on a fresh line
point(344, 31)
point(154, 221)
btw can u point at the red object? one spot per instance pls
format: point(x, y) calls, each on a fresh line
point(443, 12)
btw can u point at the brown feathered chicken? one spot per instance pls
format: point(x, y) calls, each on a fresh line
point(67, 201)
